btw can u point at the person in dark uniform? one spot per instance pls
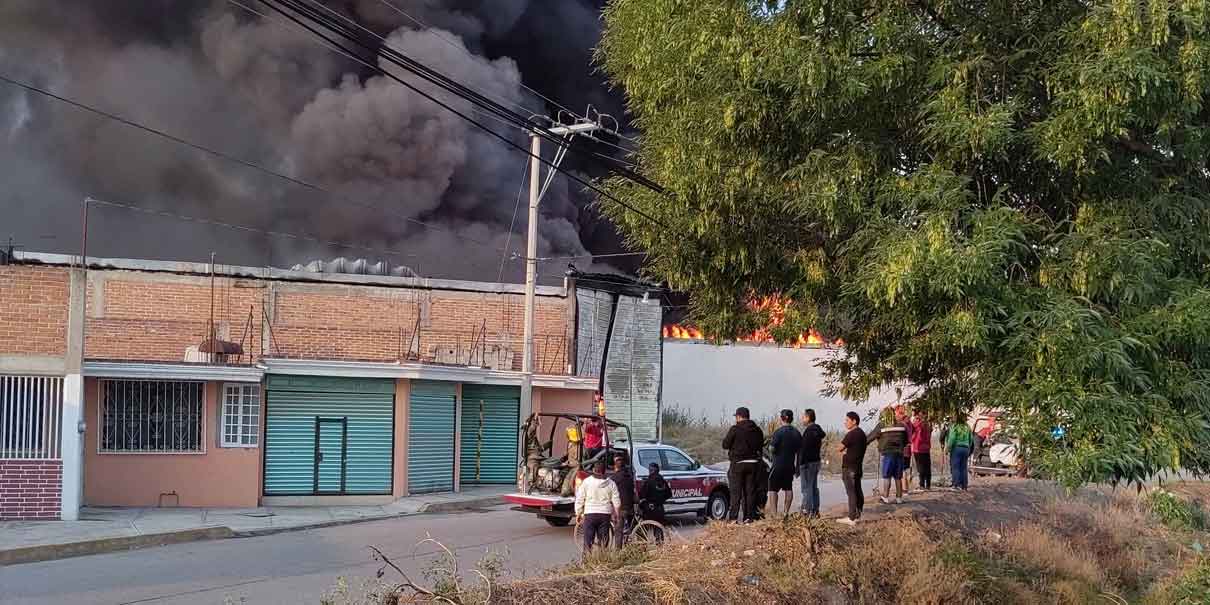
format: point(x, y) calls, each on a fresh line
point(623, 477)
point(654, 494)
point(743, 442)
point(785, 445)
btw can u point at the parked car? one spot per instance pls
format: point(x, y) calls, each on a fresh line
point(696, 489)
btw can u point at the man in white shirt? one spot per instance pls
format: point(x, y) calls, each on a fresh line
point(597, 502)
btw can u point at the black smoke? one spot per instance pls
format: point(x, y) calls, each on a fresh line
point(215, 74)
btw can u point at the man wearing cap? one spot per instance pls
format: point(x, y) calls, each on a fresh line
point(743, 443)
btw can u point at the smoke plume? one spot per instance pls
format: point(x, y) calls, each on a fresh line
point(260, 89)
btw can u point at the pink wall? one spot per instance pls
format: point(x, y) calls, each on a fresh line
point(400, 481)
point(221, 477)
point(559, 401)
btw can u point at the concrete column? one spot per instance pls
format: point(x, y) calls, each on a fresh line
point(72, 426)
point(72, 430)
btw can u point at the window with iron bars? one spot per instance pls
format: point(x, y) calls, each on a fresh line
point(152, 416)
point(241, 415)
point(31, 408)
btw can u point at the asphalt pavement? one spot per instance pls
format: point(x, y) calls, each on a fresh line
point(298, 567)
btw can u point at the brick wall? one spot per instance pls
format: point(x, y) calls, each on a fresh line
point(33, 310)
point(155, 317)
point(30, 489)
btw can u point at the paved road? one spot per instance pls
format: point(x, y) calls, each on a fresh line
point(296, 567)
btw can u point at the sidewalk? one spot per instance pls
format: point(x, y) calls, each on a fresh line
point(110, 529)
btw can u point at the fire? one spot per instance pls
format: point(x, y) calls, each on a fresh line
point(776, 307)
point(680, 332)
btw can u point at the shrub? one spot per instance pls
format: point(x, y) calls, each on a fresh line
point(1176, 512)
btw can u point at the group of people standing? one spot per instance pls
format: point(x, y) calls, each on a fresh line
point(607, 502)
point(904, 439)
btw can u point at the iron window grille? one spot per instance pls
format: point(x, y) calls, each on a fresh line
point(152, 416)
point(241, 415)
point(31, 409)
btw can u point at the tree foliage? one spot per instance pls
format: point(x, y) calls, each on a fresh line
point(1005, 202)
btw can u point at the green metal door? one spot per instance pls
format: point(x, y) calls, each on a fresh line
point(431, 408)
point(490, 424)
point(294, 440)
point(330, 440)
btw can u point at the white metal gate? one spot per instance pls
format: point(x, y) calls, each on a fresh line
point(31, 409)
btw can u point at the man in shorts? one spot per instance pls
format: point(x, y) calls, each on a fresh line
point(891, 436)
point(786, 443)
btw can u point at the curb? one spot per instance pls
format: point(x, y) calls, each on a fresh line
point(456, 506)
point(269, 531)
point(48, 552)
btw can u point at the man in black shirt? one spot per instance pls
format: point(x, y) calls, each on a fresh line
point(743, 443)
point(785, 444)
point(623, 477)
point(853, 450)
point(808, 463)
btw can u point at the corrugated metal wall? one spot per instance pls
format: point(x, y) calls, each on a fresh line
point(632, 373)
point(592, 329)
point(431, 408)
point(490, 424)
point(292, 405)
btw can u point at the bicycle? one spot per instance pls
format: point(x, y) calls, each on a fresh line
point(645, 532)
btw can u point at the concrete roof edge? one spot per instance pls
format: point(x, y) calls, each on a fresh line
point(419, 371)
point(270, 273)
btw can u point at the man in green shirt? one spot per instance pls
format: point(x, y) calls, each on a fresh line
point(958, 443)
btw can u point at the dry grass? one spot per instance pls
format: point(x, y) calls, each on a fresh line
point(1007, 541)
point(1042, 546)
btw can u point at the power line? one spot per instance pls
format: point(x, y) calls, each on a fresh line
point(512, 223)
point(426, 26)
point(617, 254)
point(419, 69)
point(214, 223)
point(266, 232)
point(230, 158)
point(393, 55)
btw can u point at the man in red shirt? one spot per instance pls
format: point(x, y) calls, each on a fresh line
point(922, 442)
point(594, 436)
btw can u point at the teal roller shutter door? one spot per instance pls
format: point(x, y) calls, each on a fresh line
point(495, 448)
point(293, 403)
point(431, 437)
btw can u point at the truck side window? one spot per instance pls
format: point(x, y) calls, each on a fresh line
point(674, 461)
point(646, 457)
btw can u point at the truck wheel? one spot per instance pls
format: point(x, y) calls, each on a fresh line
point(716, 507)
point(558, 521)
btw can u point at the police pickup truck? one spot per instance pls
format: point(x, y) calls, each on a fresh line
point(696, 489)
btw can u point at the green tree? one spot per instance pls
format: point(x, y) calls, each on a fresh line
point(1005, 202)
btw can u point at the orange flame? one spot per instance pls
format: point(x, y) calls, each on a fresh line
point(776, 308)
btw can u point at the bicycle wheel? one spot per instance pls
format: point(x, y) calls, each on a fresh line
point(647, 533)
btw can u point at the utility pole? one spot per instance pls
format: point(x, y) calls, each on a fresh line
point(531, 253)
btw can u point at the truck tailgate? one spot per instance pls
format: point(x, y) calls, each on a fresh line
point(538, 500)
